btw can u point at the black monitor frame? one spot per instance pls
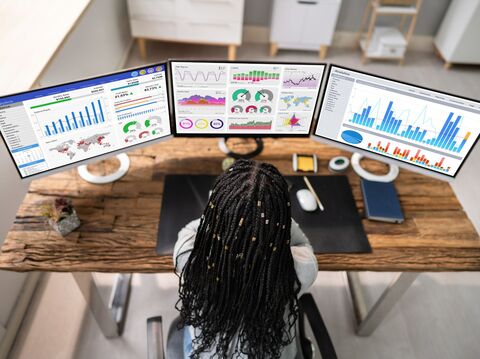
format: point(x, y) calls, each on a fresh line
point(379, 156)
point(103, 155)
point(172, 107)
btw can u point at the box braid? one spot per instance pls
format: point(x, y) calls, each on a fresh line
point(239, 287)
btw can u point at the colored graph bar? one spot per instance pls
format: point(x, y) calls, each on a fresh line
point(442, 131)
point(101, 111)
point(94, 113)
point(386, 116)
point(74, 120)
point(68, 123)
point(54, 127)
point(47, 130)
point(463, 141)
point(81, 120)
point(61, 125)
point(88, 116)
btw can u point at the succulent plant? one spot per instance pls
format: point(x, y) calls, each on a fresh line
point(58, 210)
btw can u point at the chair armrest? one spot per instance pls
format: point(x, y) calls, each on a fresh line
point(309, 308)
point(155, 338)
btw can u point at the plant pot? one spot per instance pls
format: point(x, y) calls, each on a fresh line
point(66, 225)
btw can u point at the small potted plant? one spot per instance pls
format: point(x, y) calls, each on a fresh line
point(62, 216)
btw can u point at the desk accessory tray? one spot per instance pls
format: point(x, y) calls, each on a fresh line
point(338, 229)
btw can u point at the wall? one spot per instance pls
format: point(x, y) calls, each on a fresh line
point(257, 12)
point(99, 43)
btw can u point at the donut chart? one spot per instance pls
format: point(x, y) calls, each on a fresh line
point(216, 124)
point(186, 123)
point(264, 95)
point(201, 124)
point(241, 95)
point(265, 109)
point(236, 109)
point(251, 109)
point(144, 134)
point(153, 120)
point(132, 126)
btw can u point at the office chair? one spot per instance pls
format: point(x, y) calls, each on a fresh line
point(307, 308)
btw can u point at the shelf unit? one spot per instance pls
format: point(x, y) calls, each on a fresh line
point(387, 43)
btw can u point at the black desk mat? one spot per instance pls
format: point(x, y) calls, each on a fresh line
point(338, 229)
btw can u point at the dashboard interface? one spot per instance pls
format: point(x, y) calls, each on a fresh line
point(61, 125)
point(216, 98)
point(418, 126)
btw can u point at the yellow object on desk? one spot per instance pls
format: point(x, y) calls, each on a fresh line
point(304, 163)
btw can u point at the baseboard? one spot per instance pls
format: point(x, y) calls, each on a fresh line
point(254, 34)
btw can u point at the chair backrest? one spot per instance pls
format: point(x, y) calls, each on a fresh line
point(307, 310)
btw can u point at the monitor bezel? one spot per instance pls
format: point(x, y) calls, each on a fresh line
point(173, 123)
point(379, 157)
point(101, 156)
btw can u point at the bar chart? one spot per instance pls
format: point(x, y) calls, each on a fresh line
point(450, 137)
point(404, 154)
point(91, 114)
point(255, 76)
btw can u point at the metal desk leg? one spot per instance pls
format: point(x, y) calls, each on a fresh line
point(368, 320)
point(109, 318)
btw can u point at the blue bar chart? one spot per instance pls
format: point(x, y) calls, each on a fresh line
point(450, 137)
point(90, 115)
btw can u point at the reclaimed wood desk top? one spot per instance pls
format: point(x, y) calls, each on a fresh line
point(120, 220)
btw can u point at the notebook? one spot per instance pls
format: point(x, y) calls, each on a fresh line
point(381, 201)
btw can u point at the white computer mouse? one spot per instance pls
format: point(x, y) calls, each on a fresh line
point(306, 200)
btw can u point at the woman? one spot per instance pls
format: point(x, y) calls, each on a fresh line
point(242, 267)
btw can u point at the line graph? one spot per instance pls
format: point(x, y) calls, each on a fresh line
point(301, 79)
point(195, 76)
point(440, 130)
point(200, 75)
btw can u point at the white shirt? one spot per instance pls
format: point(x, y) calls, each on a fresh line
point(304, 261)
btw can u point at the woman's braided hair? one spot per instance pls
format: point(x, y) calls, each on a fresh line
point(239, 287)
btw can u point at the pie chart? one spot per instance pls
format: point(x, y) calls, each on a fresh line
point(352, 137)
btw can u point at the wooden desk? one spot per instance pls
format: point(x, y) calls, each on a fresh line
point(120, 220)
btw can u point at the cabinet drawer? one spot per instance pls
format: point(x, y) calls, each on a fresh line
point(151, 28)
point(210, 32)
point(154, 8)
point(220, 10)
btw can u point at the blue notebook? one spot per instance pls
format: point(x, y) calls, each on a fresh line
point(381, 201)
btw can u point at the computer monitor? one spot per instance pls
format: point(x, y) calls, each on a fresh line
point(420, 129)
point(234, 99)
point(49, 129)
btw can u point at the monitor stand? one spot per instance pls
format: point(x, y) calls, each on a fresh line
point(363, 173)
point(112, 177)
point(223, 146)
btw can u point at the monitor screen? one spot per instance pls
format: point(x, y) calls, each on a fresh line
point(244, 98)
point(50, 128)
point(420, 127)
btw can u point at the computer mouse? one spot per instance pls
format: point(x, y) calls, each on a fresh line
point(306, 200)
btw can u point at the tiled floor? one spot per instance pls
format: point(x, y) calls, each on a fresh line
point(438, 317)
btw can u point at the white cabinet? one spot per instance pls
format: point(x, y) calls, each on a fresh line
point(457, 38)
point(303, 24)
point(218, 22)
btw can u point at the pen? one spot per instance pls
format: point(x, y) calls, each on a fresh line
point(310, 187)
